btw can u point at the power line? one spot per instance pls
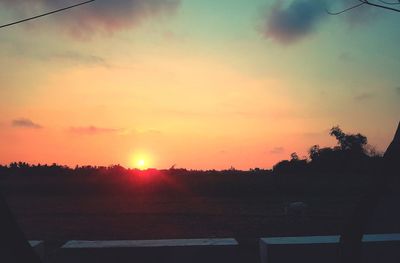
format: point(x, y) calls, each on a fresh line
point(46, 14)
point(345, 10)
point(386, 5)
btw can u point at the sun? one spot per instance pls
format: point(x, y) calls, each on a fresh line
point(141, 164)
point(140, 160)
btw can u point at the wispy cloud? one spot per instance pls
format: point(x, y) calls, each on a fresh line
point(101, 16)
point(364, 96)
point(25, 123)
point(79, 58)
point(277, 150)
point(91, 130)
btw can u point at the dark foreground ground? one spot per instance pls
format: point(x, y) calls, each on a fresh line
point(160, 206)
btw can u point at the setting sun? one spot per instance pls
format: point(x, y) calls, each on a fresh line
point(141, 160)
point(141, 164)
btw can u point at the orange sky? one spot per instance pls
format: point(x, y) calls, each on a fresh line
point(180, 82)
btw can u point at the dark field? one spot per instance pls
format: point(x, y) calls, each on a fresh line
point(184, 206)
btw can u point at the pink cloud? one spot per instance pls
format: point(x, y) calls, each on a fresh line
point(91, 130)
point(101, 16)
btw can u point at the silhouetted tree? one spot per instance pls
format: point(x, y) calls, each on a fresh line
point(295, 165)
point(294, 157)
point(349, 142)
point(351, 154)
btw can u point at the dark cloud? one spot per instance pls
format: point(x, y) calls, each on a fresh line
point(364, 96)
point(288, 24)
point(91, 130)
point(101, 16)
point(277, 150)
point(25, 123)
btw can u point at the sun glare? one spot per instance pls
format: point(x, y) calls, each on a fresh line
point(141, 164)
point(140, 161)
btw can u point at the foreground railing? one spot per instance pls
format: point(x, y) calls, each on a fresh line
point(169, 250)
point(376, 248)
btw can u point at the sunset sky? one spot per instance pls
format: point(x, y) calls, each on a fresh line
point(201, 84)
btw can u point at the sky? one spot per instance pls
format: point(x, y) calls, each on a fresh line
point(199, 84)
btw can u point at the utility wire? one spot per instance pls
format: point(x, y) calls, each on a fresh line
point(380, 6)
point(385, 5)
point(46, 14)
point(345, 10)
point(389, 3)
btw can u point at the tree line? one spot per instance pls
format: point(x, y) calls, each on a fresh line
point(352, 154)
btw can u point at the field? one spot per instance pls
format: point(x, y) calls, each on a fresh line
point(161, 206)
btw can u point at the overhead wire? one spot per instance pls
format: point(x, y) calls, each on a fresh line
point(45, 14)
point(385, 5)
point(345, 10)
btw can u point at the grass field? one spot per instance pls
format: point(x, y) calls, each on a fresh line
point(161, 206)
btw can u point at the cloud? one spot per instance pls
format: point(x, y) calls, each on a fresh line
point(80, 58)
point(364, 96)
point(398, 90)
point(277, 150)
point(25, 123)
point(288, 24)
point(91, 130)
point(101, 16)
point(291, 23)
